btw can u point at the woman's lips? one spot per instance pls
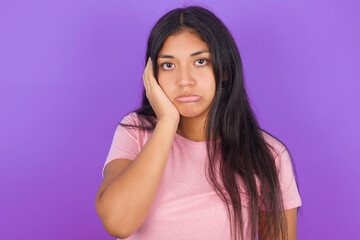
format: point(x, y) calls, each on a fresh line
point(192, 98)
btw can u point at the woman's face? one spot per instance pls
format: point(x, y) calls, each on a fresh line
point(185, 68)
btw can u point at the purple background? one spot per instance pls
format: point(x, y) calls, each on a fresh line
point(71, 70)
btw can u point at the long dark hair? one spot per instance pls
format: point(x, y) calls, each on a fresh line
point(244, 152)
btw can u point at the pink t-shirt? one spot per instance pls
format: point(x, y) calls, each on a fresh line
point(186, 207)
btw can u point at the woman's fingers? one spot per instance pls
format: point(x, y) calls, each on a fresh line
point(161, 104)
point(151, 72)
point(145, 77)
point(149, 78)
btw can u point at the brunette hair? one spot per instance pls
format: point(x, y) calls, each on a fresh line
point(244, 152)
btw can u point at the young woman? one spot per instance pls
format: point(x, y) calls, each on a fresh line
point(192, 161)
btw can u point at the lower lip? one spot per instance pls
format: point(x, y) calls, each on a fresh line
point(188, 99)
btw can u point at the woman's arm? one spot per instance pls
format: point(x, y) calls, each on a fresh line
point(291, 216)
point(123, 201)
point(128, 189)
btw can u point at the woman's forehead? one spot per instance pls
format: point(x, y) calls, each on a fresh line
point(185, 43)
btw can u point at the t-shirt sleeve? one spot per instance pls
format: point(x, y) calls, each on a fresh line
point(290, 193)
point(124, 143)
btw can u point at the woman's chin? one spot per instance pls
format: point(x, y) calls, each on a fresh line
point(190, 114)
point(191, 111)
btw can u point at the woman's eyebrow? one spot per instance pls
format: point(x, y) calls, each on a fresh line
point(191, 55)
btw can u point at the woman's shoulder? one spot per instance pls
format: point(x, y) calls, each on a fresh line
point(278, 150)
point(276, 146)
point(131, 117)
point(134, 118)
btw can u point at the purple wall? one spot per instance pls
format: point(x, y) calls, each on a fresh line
point(70, 70)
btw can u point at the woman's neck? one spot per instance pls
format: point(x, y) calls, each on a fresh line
point(192, 128)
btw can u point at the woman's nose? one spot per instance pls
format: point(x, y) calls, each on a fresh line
point(185, 77)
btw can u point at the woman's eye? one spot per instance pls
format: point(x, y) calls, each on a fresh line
point(201, 62)
point(167, 65)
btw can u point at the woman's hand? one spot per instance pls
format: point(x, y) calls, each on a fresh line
point(161, 104)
